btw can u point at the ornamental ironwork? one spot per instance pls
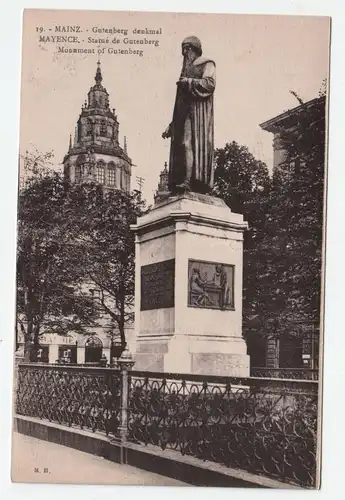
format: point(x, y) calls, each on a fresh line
point(88, 398)
point(94, 341)
point(264, 427)
point(286, 373)
point(260, 425)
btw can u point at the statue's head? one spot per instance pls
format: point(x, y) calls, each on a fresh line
point(191, 44)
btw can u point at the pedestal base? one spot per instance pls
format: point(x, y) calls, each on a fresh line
point(189, 288)
point(198, 356)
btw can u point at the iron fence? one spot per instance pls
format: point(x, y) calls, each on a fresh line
point(85, 397)
point(263, 426)
point(286, 373)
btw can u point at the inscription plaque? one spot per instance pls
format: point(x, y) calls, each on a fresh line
point(210, 285)
point(157, 285)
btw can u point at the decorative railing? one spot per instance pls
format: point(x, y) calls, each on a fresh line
point(88, 398)
point(286, 373)
point(263, 426)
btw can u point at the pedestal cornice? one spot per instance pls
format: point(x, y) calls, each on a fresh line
point(190, 208)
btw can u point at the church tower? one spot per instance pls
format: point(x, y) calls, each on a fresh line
point(95, 155)
point(162, 192)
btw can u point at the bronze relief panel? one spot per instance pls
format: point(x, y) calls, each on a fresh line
point(211, 285)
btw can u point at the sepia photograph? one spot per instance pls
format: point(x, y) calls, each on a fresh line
point(172, 174)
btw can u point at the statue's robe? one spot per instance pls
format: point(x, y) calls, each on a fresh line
point(193, 126)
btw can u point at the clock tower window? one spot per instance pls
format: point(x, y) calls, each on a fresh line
point(103, 128)
point(100, 174)
point(111, 176)
point(77, 173)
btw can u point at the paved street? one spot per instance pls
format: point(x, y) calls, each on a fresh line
point(34, 460)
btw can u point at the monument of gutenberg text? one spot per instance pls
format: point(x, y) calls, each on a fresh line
point(189, 248)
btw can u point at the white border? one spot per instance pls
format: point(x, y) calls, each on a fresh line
point(334, 366)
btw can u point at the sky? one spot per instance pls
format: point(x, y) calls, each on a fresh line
point(259, 59)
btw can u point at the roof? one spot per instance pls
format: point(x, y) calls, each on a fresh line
point(287, 117)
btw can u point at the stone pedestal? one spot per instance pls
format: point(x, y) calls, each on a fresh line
point(178, 328)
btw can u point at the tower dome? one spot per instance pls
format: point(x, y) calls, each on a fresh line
point(96, 155)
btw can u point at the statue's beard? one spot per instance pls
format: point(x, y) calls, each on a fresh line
point(188, 60)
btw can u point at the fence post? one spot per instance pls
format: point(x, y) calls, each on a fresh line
point(125, 364)
point(18, 358)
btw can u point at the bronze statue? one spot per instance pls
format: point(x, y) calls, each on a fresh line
point(191, 129)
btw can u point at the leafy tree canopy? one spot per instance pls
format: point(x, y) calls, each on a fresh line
point(105, 246)
point(72, 238)
point(49, 283)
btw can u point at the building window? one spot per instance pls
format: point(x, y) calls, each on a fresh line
point(103, 128)
point(93, 350)
point(111, 176)
point(68, 354)
point(100, 174)
point(39, 354)
point(127, 182)
point(290, 352)
point(77, 173)
point(88, 127)
point(116, 134)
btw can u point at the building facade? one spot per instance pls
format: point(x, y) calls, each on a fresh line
point(95, 155)
point(302, 350)
point(287, 121)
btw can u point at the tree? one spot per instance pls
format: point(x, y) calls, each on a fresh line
point(104, 247)
point(243, 182)
point(293, 237)
point(72, 240)
point(50, 298)
point(37, 163)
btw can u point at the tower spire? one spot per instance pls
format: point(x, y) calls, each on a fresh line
point(98, 77)
point(70, 142)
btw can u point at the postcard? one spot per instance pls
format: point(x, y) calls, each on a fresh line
point(170, 249)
